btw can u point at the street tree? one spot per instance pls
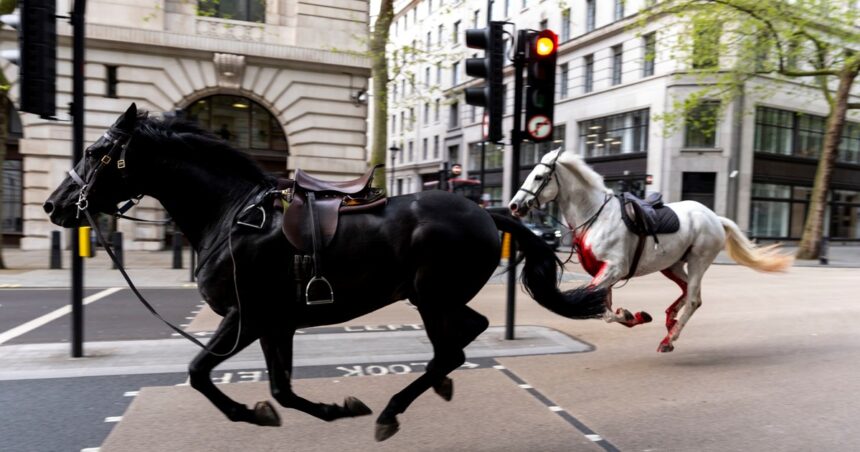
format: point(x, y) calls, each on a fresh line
point(402, 74)
point(730, 43)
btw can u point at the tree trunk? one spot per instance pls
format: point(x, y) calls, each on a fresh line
point(810, 243)
point(379, 72)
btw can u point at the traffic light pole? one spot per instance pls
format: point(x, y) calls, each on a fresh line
point(77, 111)
point(516, 141)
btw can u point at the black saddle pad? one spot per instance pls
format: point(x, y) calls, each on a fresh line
point(658, 219)
point(666, 221)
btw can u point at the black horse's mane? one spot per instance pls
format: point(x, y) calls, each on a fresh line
point(201, 145)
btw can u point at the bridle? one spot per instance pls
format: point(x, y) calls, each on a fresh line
point(119, 145)
point(545, 181)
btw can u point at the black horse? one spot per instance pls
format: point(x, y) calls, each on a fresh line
point(433, 248)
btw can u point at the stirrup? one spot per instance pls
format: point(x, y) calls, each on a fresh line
point(318, 280)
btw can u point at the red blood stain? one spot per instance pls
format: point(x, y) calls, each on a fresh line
point(672, 310)
point(587, 259)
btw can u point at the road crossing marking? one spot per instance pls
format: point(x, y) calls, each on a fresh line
point(51, 316)
point(113, 418)
point(131, 393)
point(92, 449)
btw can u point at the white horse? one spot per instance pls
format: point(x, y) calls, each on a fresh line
point(606, 248)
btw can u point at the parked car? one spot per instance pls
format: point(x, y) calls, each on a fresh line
point(539, 223)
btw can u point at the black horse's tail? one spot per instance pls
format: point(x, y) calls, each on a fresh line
point(540, 275)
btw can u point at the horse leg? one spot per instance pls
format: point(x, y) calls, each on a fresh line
point(225, 344)
point(449, 333)
point(696, 267)
point(677, 274)
point(609, 275)
point(278, 351)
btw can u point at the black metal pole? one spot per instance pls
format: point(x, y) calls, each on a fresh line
point(177, 249)
point(193, 264)
point(516, 139)
point(483, 165)
point(77, 111)
point(116, 243)
point(56, 256)
point(392, 174)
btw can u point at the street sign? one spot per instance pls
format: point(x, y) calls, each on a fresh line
point(539, 127)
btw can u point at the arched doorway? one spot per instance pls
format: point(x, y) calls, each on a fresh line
point(247, 125)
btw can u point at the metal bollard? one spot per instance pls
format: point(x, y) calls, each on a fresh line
point(177, 250)
point(116, 244)
point(193, 264)
point(822, 253)
point(56, 255)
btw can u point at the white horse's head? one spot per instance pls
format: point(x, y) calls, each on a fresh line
point(540, 187)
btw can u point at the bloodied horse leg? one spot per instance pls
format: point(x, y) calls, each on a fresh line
point(677, 274)
point(225, 344)
point(278, 350)
point(608, 275)
point(449, 332)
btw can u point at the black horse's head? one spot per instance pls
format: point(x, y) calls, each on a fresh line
point(96, 182)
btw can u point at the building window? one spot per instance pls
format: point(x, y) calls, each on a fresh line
point(426, 113)
point(454, 153)
point(494, 158)
point(774, 131)
point(436, 147)
point(624, 133)
point(649, 54)
point(438, 73)
point(454, 116)
point(436, 111)
point(565, 25)
point(810, 136)
point(779, 212)
point(588, 65)
point(531, 153)
point(455, 74)
point(617, 61)
point(700, 126)
point(590, 15)
point(564, 81)
point(428, 41)
point(439, 34)
point(246, 125)
point(13, 178)
point(619, 9)
point(410, 156)
point(507, 8)
point(244, 10)
point(110, 82)
point(455, 37)
point(849, 147)
point(425, 149)
point(475, 18)
point(706, 47)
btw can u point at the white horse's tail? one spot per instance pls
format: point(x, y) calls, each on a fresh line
point(743, 251)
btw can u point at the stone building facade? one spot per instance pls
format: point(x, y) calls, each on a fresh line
point(280, 79)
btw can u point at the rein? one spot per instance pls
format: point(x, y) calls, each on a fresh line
point(83, 206)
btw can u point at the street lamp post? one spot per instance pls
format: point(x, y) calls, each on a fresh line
point(393, 149)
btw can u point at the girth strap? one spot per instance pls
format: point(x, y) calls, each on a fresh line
point(640, 246)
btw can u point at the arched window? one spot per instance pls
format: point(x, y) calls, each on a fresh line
point(246, 10)
point(247, 126)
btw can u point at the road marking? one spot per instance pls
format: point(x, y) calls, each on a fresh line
point(9, 286)
point(131, 393)
point(524, 386)
point(113, 418)
point(92, 449)
point(564, 414)
point(51, 316)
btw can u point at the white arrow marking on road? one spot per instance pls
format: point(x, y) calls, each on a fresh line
point(53, 315)
point(469, 365)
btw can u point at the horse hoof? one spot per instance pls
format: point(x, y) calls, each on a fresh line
point(265, 414)
point(356, 407)
point(665, 347)
point(385, 431)
point(644, 317)
point(445, 389)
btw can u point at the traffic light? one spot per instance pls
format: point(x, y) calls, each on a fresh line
point(541, 55)
point(490, 96)
point(36, 56)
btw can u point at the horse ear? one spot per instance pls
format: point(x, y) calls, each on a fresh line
point(126, 120)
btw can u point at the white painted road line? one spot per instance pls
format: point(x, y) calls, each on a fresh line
point(113, 419)
point(131, 393)
point(525, 386)
point(556, 409)
point(594, 438)
point(92, 449)
point(53, 315)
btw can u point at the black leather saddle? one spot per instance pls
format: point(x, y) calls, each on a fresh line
point(649, 216)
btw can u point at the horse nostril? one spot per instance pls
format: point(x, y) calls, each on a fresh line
point(48, 206)
point(513, 207)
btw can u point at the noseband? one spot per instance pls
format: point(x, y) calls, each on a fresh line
point(119, 145)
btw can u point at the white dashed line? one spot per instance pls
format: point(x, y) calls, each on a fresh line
point(91, 449)
point(498, 367)
point(131, 393)
point(594, 438)
point(525, 386)
point(556, 408)
point(113, 418)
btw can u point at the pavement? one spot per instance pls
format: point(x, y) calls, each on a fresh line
point(154, 268)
